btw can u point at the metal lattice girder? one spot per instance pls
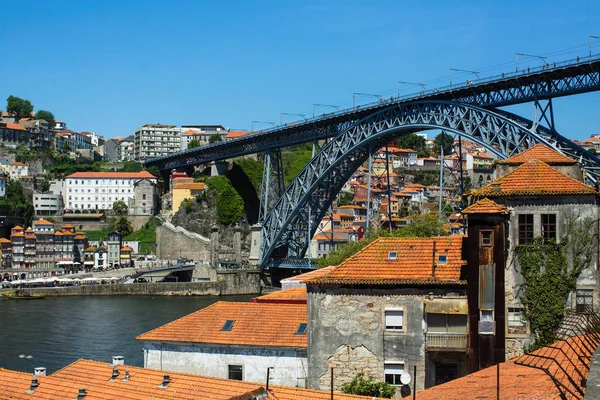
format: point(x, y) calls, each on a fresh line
point(323, 177)
point(273, 183)
point(550, 82)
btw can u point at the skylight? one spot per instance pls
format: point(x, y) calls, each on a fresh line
point(301, 328)
point(442, 259)
point(392, 255)
point(228, 325)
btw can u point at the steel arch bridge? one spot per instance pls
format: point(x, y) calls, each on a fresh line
point(293, 220)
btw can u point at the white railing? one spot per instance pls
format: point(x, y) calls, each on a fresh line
point(443, 340)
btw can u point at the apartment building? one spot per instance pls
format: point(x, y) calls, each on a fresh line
point(155, 140)
point(99, 190)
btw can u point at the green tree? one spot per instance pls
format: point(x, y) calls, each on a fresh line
point(253, 170)
point(415, 142)
point(123, 226)
point(46, 116)
point(132, 166)
point(154, 170)
point(67, 147)
point(23, 108)
point(119, 207)
point(550, 271)
point(230, 206)
point(215, 137)
point(368, 387)
point(345, 199)
point(448, 143)
point(195, 143)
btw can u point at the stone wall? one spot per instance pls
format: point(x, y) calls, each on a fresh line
point(175, 242)
point(230, 283)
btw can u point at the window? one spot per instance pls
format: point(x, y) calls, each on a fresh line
point(144, 196)
point(549, 227)
point(394, 320)
point(516, 321)
point(228, 325)
point(442, 259)
point(584, 300)
point(301, 328)
point(392, 372)
point(486, 238)
point(235, 372)
point(392, 255)
point(525, 228)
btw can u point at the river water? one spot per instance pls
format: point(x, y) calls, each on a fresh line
point(56, 331)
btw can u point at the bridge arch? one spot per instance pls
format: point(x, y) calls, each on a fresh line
point(293, 220)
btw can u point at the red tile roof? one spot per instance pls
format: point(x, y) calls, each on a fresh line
point(534, 178)
point(485, 206)
point(256, 324)
point(233, 134)
point(112, 175)
point(143, 385)
point(42, 222)
point(317, 273)
point(190, 185)
point(17, 127)
point(413, 263)
point(521, 382)
point(294, 295)
point(539, 152)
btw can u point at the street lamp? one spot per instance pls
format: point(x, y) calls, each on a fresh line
point(262, 122)
point(462, 70)
point(282, 114)
point(362, 94)
point(324, 105)
point(517, 55)
point(592, 38)
point(409, 83)
point(25, 358)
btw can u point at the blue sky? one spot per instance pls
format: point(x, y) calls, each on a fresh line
point(111, 66)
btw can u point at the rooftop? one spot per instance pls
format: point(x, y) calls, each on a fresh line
point(388, 261)
point(294, 295)
point(277, 327)
point(111, 175)
point(534, 178)
point(485, 206)
point(539, 152)
point(317, 273)
point(190, 185)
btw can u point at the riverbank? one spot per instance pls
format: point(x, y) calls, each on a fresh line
point(228, 283)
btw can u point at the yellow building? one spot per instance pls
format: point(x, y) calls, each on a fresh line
point(185, 190)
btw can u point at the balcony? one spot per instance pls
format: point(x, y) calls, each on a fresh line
point(439, 341)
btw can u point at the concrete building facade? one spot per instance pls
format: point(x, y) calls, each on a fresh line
point(155, 140)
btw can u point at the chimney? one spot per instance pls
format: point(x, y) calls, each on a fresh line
point(165, 382)
point(127, 376)
point(115, 374)
point(34, 385)
point(118, 360)
point(39, 371)
point(81, 394)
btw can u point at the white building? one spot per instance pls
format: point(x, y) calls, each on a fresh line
point(47, 203)
point(236, 341)
point(126, 150)
point(156, 141)
point(18, 170)
point(99, 190)
point(2, 185)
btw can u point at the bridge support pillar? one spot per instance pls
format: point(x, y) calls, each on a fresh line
point(218, 168)
point(255, 241)
point(272, 183)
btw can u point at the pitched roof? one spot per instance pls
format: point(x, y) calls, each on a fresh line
point(111, 175)
point(126, 248)
point(522, 382)
point(17, 127)
point(190, 185)
point(143, 384)
point(534, 178)
point(293, 295)
point(43, 222)
point(235, 134)
point(539, 152)
point(17, 164)
point(256, 324)
point(4, 240)
point(317, 273)
point(413, 263)
point(485, 206)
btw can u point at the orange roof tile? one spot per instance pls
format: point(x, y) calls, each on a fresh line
point(539, 152)
point(413, 262)
point(485, 206)
point(231, 135)
point(18, 164)
point(294, 295)
point(4, 240)
point(112, 175)
point(126, 248)
point(190, 185)
point(43, 222)
point(79, 237)
point(204, 326)
point(521, 382)
point(143, 384)
point(534, 178)
point(17, 127)
point(317, 273)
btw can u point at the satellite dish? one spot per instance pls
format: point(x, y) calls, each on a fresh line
point(405, 378)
